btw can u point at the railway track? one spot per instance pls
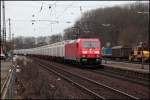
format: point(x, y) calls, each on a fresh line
point(134, 77)
point(123, 76)
point(4, 88)
point(96, 89)
point(130, 62)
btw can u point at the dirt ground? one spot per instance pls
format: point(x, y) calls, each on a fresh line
point(33, 82)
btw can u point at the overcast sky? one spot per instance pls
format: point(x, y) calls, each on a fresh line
point(53, 16)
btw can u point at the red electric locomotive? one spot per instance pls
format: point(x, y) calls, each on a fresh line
point(84, 51)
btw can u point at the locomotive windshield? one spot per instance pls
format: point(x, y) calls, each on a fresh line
point(90, 44)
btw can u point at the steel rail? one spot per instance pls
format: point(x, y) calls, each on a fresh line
point(117, 74)
point(6, 85)
point(127, 75)
point(115, 90)
point(129, 62)
point(81, 86)
point(110, 88)
point(137, 80)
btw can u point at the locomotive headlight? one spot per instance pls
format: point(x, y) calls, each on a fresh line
point(97, 52)
point(84, 52)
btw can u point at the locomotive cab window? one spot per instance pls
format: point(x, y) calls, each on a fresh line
point(90, 44)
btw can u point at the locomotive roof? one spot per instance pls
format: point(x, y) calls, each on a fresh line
point(88, 39)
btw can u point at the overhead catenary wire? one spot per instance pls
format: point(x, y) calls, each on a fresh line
point(41, 8)
point(73, 6)
point(40, 20)
point(52, 7)
point(64, 11)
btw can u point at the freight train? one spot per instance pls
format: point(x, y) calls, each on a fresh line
point(79, 51)
point(126, 53)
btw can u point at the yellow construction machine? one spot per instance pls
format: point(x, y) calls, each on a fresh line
point(139, 53)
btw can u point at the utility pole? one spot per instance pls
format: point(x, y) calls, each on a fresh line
point(13, 43)
point(1, 38)
point(9, 29)
point(4, 28)
point(79, 28)
point(10, 40)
